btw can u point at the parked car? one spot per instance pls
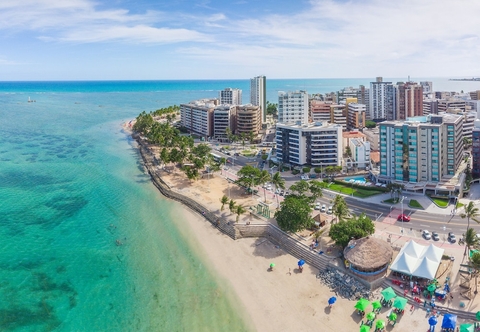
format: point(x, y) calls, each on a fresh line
point(435, 236)
point(403, 217)
point(317, 206)
point(451, 237)
point(323, 209)
point(426, 235)
point(330, 209)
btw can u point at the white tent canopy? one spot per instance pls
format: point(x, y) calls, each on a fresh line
point(417, 260)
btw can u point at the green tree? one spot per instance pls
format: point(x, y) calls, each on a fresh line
point(370, 124)
point(294, 214)
point(271, 108)
point(239, 210)
point(471, 240)
point(278, 182)
point(300, 187)
point(470, 212)
point(262, 178)
point(251, 137)
point(164, 156)
point(316, 188)
point(247, 176)
point(348, 151)
point(475, 263)
point(232, 205)
point(223, 200)
point(354, 228)
point(143, 123)
point(340, 208)
point(317, 170)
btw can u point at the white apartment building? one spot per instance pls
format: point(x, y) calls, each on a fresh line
point(230, 96)
point(424, 150)
point(338, 115)
point(427, 87)
point(316, 144)
point(372, 136)
point(223, 118)
point(293, 107)
point(382, 101)
point(360, 150)
point(258, 94)
point(197, 116)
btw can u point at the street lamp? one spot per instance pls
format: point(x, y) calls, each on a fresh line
point(403, 197)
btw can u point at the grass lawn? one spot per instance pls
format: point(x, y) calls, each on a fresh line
point(440, 202)
point(459, 205)
point(391, 201)
point(414, 204)
point(249, 153)
point(357, 192)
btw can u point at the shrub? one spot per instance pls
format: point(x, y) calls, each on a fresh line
point(306, 170)
point(295, 172)
point(317, 170)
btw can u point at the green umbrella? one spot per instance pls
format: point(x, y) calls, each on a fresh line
point(388, 293)
point(376, 305)
point(364, 328)
point(467, 328)
point(392, 317)
point(431, 288)
point(380, 324)
point(371, 316)
point(478, 315)
point(400, 303)
point(362, 304)
point(272, 265)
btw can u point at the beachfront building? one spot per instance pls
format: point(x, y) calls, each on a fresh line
point(293, 107)
point(476, 150)
point(223, 118)
point(382, 100)
point(338, 115)
point(258, 95)
point(423, 153)
point(230, 96)
point(197, 116)
point(317, 144)
point(249, 119)
point(320, 110)
point(356, 116)
point(368, 257)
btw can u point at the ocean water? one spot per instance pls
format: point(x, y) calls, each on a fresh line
point(71, 185)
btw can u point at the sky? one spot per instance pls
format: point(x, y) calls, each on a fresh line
point(221, 39)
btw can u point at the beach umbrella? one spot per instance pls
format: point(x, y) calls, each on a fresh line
point(431, 288)
point(449, 321)
point(467, 328)
point(388, 293)
point(362, 304)
point(400, 303)
point(478, 315)
point(272, 265)
point(392, 317)
point(433, 321)
point(380, 324)
point(301, 262)
point(376, 304)
point(364, 328)
point(371, 316)
point(332, 300)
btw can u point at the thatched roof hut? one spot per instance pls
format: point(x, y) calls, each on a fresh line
point(368, 254)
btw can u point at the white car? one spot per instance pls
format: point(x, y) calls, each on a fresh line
point(317, 206)
point(323, 209)
point(426, 235)
point(330, 209)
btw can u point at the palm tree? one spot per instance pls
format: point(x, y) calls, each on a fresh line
point(278, 182)
point(470, 240)
point(251, 136)
point(223, 200)
point(475, 263)
point(340, 208)
point(239, 210)
point(263, 178)
point(232, 205)
point(471, 212)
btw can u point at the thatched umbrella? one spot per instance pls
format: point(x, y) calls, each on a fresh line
point(368, 254)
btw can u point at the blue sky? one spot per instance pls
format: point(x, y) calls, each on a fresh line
point(180, 39)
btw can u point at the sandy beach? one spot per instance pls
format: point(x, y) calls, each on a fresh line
point(282, 299)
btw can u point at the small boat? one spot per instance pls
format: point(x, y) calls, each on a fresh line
point(30, 100)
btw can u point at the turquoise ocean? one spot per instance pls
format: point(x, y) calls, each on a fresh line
point(71, 185)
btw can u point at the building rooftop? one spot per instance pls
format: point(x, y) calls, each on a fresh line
point(353, 134)
point(375, 156)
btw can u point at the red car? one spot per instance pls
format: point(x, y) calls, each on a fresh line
point(403, 217)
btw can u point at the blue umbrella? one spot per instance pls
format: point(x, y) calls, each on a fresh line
point(432, 321)
point(301, 262)
point(449, 321)
point(332, 300)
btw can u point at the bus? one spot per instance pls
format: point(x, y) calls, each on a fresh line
point(216, 157)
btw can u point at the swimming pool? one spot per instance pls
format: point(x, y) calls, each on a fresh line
point(357, 179)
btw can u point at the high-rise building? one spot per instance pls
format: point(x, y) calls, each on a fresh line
point(258, 95)
point(249, 119)
point(382, 101)
point(320, 110)
point(430, 106)
point(223, 118)
point(413, 100)
point(476, 150)
point(356, 116)
point(293, 107)
point(231, 96)
point(197, 116)
point(427, 87)
point(421, 149)
point(475, 95)
point(316, 144)
point(338, 115)
point(453, 103)
point(360, 153)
